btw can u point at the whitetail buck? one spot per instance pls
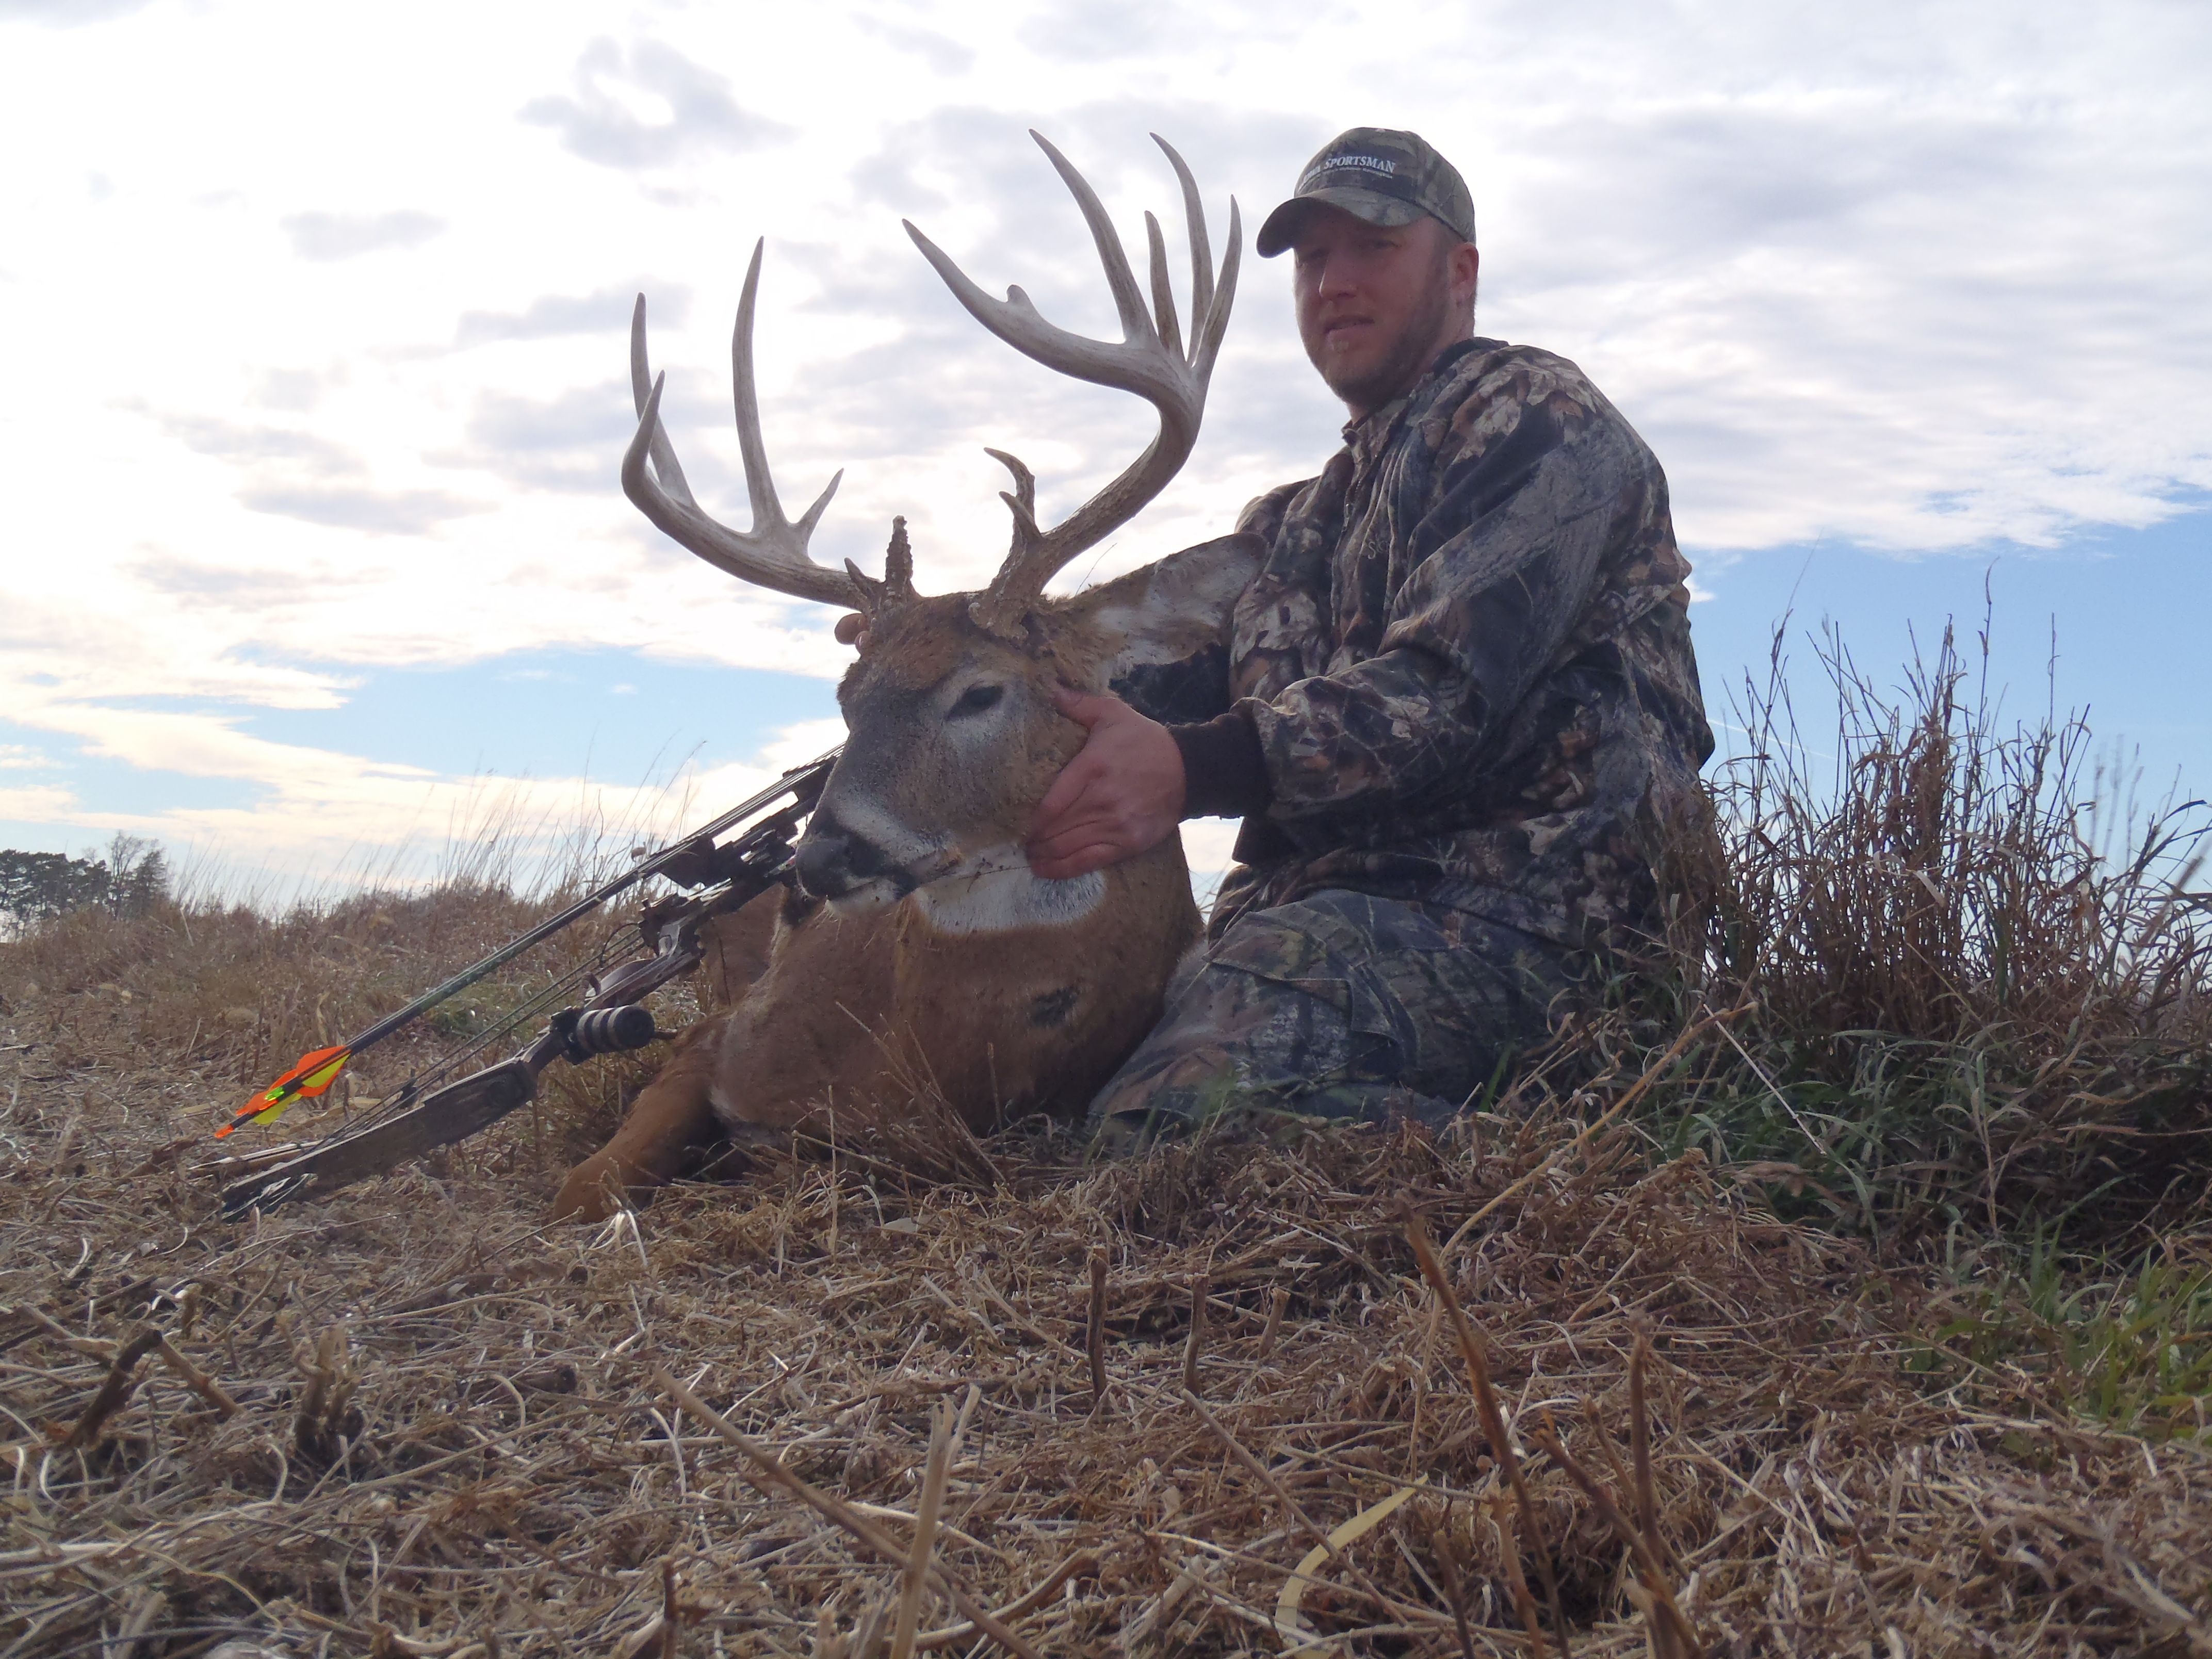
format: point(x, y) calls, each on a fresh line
point(922, 946)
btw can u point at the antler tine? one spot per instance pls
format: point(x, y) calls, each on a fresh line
point(1136, 323)
point(1209, 303)
point(898, 564)
point(1205, 344)
point(1022, 498)
point(1163, 295)
point(1148, 360)
point(760, 485)
point(1016, 320)
point(1201, 253)
point(896, 587)
point(640, 385)
point(773, 554)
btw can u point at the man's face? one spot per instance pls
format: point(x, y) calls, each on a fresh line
point(1374, 306)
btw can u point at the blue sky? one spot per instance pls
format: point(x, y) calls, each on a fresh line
point(317, 554)
point(2107, 622)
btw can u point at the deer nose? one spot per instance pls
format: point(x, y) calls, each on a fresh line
point(825, 858)
point(833, 861)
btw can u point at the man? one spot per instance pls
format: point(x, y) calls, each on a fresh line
point(1465, 704)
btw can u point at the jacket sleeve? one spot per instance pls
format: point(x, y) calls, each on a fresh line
point(1513, 538)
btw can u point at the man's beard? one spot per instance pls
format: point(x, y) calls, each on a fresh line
point(1394, 373)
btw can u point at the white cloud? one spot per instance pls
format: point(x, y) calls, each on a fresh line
point(603, 312)
point(40, 803)
point(943, 54)
point(1916, 275)
point(348, 235)
point(67, 13)
point(317, 816)
point(648, 107)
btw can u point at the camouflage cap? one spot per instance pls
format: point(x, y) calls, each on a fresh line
point(1385, 177)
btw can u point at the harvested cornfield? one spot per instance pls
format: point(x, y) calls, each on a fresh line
point(1205, 1403)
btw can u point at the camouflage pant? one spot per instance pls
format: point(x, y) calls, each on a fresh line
point(1340, 1006)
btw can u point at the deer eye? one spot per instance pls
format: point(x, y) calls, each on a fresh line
point(974, 699)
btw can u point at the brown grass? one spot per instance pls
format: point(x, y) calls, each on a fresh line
point(1914, 1243)
point(1979, 975)
point(225, 997)
point(447, 1437)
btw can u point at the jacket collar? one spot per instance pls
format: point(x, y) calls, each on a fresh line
point(1366, 436)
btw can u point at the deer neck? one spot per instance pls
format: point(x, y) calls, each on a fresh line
point(995, 891)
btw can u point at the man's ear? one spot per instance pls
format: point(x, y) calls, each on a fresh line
point(1162, 631)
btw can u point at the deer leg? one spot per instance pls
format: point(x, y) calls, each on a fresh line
point(671, 1116)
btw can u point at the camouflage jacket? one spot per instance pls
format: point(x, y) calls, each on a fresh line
point(1466, 658)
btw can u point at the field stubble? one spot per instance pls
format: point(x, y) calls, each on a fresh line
point(1913, 1245)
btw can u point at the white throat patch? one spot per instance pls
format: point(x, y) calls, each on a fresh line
point(998, 893)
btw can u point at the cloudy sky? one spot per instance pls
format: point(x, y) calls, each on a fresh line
point(314, 320)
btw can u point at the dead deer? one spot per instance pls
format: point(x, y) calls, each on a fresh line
point(920, 946)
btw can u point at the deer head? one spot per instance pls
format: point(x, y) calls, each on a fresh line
point(954, 736)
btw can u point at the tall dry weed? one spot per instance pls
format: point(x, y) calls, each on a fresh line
point(1976, 973)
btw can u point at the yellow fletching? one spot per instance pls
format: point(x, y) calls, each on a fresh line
point(313, 1075)
point(322, 1078)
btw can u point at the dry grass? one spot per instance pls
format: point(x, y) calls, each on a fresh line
point(1917, 1242)
point(1979, 977)
point(223, 997)
point(448, 1436)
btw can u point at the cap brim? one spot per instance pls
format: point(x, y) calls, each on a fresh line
point(1281, 228)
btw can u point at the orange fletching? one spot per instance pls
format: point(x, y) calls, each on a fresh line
point(313, 1076)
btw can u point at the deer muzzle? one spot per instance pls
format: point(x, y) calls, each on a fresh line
point(838, 864)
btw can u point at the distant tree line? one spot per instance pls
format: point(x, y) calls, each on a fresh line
point(34, 886)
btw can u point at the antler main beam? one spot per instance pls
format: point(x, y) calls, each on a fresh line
point(1148, 360)
point(773, 554)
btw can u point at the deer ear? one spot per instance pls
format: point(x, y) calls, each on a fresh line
point(1162, 631)
point(1171, 609)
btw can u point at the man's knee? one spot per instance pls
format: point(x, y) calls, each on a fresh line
point(1230, 1045)
point(1342, 1007)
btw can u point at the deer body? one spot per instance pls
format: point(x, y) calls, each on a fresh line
point(1038, 1016)
point(922, 952)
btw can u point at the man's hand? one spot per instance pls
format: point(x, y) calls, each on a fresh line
point(852, 629)
point(1121, 795)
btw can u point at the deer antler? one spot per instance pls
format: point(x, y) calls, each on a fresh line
point(773, 554)
point(1150, 360)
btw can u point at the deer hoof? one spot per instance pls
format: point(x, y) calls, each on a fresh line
point(592, 1192)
